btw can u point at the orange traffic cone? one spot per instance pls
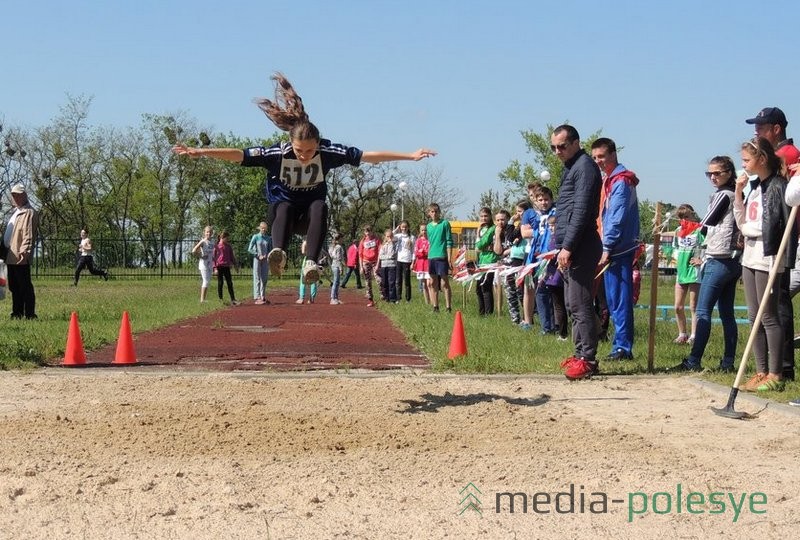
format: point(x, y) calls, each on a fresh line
point(125, 353)
point(458, 341)
point(74, 355)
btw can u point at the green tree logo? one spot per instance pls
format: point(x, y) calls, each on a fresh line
point(469, 499)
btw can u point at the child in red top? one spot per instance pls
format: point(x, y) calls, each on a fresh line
point(368, 250)
point(421, 247)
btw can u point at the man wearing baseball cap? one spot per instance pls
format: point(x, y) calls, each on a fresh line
point(20, 240)
point(770, 123)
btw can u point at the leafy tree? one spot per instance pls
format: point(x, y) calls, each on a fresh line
point(425, 186)
point(493, 200)
point(364, 195)
point(65, 165)
point(359, 196)
point(12, 157)
point(230, 197)
point(126, 184)
point(647, 215)
point(518, 175)
point(123, 173)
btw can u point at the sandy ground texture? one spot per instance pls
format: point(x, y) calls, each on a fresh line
point(138, 454)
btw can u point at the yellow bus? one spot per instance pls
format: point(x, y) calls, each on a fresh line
point(464, 233)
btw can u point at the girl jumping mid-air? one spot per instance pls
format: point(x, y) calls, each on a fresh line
point(296, 171)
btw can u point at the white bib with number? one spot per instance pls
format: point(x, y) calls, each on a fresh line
point(298, 176)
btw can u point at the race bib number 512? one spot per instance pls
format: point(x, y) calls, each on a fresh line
point(297, 175)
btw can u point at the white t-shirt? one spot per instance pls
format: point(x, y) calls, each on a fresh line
point(10, 227)
point(85, 247)
point(793, 191)
point(749, 218)
point(405, 247)
point(206, 253)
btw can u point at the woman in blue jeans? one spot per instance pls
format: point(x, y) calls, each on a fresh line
point(721, 270)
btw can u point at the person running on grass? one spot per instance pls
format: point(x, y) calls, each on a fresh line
point(86, 259)
point(296, 170)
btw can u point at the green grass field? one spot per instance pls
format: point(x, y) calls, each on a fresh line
point(494, 344)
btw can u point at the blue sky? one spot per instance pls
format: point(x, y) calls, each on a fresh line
point(671, 82)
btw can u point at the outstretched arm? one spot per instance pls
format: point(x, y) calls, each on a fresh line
point(235, 155)
point(380, 157)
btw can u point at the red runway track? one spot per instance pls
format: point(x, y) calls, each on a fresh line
point(282, 336)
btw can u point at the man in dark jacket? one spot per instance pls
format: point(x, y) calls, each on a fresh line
point(579, 243)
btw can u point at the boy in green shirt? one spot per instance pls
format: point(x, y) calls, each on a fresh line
point(440, 241)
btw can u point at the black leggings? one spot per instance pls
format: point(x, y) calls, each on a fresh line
point(312, 220)
point(404, 279)
point(485, 290)
point(87, 261)
point(224, 272)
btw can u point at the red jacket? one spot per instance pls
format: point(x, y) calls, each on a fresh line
point(352, 255)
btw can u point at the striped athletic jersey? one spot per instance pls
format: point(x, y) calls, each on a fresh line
point(291, 181)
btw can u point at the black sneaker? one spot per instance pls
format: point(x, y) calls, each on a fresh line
point(436, 309)
point(726, 368)
point(685, 366)
point(620, 354)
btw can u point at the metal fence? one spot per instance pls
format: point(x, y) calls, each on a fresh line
point(125, 258)
point(157, 258)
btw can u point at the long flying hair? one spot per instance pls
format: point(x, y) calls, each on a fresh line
point(287, 112)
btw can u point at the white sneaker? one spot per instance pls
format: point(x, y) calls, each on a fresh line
point(277, 262)
point(310, 272)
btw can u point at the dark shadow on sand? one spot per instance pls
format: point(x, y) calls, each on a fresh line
point(432, 402)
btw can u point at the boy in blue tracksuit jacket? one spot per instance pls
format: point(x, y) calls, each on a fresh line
point(540, 244)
